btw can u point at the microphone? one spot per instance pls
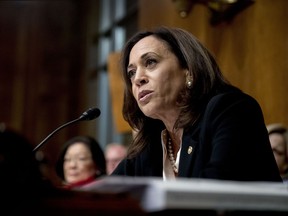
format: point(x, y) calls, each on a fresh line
point(90, 114)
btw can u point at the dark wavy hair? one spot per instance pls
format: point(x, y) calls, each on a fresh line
point(193, 56)
point(95, 149)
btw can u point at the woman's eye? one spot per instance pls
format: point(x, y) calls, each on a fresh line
point(278, 152)
point(150, 62)
point(130, 73)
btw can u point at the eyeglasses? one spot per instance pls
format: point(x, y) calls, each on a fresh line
point(82, 159)
point(280, 153)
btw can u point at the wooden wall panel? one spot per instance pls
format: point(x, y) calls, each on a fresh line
point(40, 65)
point(252, 49)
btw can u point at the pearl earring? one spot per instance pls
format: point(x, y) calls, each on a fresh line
point(189, 81)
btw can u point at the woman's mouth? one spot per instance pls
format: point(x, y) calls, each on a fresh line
point(144, 95)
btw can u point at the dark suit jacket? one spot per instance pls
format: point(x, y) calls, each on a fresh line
point(229, 142)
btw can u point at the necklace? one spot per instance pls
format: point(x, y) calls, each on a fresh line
point(171, 156)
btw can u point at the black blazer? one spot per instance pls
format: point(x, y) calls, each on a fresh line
point(229, 142)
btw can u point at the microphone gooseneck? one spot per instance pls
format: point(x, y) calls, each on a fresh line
point(90, 114)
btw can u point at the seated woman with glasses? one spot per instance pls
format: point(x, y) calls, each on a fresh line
point(80, 162)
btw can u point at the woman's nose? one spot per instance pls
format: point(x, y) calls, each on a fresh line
point(72, 163)
point(142, 81)
point(141, 78)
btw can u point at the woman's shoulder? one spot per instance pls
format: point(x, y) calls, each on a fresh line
point(233, 102)
point(231, 97)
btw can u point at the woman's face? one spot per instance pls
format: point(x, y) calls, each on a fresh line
point(279, 149)
point(156, 78)
point(78, 163)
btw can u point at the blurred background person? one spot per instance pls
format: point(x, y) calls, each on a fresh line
point(80, 162)
point(21, 182)
point(114, 154)
point(278, 136)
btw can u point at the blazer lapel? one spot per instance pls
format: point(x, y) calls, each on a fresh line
point(188, 149)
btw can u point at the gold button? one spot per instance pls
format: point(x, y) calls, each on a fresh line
point(190, 149)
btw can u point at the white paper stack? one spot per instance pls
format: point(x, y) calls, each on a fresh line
point(154, 194)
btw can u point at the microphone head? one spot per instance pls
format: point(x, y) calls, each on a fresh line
point(90, 114)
